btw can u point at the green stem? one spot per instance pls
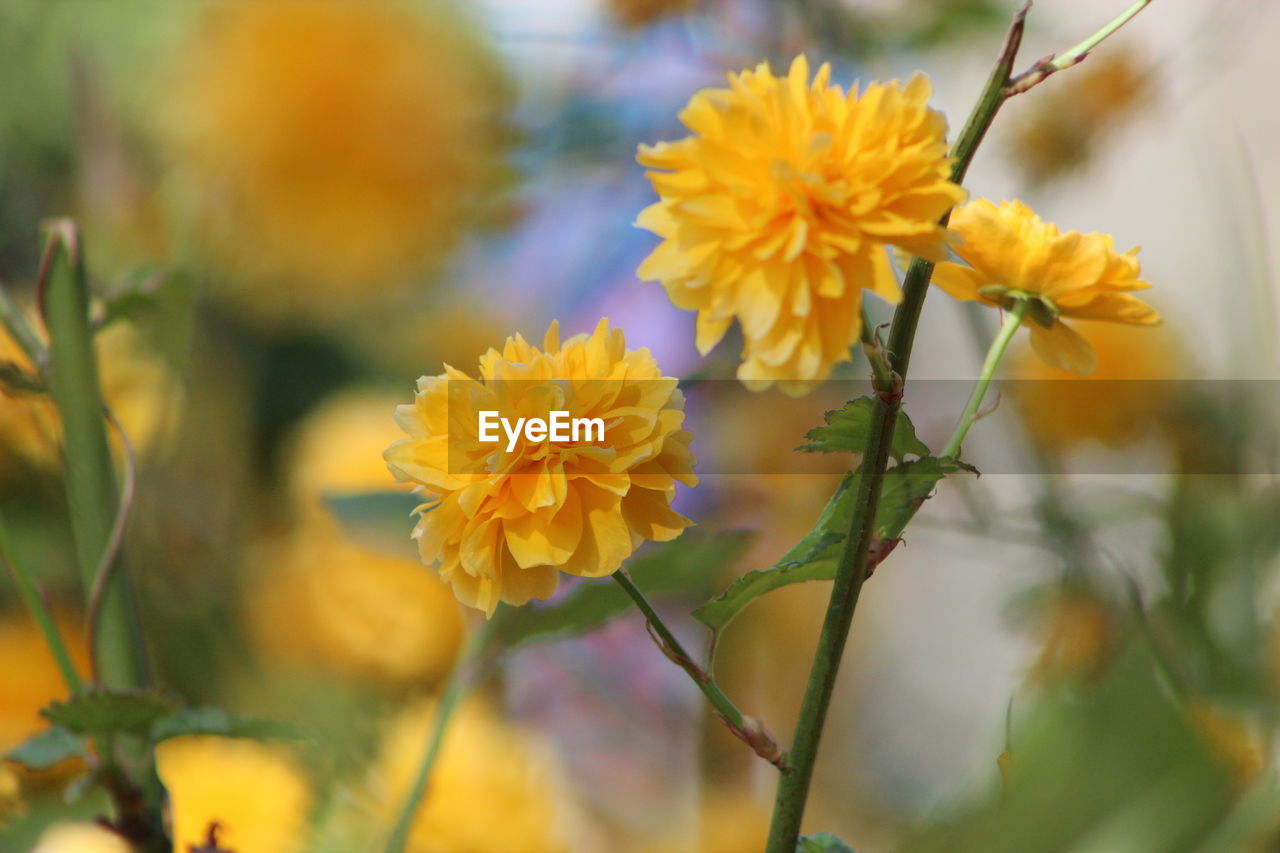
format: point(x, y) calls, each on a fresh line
point(16, 324)
point(35, 604)
point(1012, 321)
point(90, 476)
point(744, 727)
point(873, 349)
point(794, 782)
point(1070, 57)
point(461, 677)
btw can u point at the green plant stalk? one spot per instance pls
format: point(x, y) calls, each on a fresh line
point(90, 476)
point(35, 604)
point(16, 324)
point(1070, 57)
point(461, 677)
point(851, 572)
point(746, 728)
point(1012, 322)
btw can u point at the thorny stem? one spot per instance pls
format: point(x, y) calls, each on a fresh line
point(31, 598)
point(743, 726)
point(1012, 321)
point(851, 572)
point(464, 673)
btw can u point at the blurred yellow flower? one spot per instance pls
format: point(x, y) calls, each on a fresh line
point(494, 788)
point(729, 821)
point(330, 454)
point(501, 525)
point(257, 793)
point(1127, 395)
point(1238, 745)
point(141, 391)
point(32, 678)
point(81, 838)
point(1011, 253)
point(777, 210)
point(331, 146)
point(320, 601)
point(1078, 632)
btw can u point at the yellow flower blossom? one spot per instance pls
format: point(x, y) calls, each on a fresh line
point(495, 788)
point(778, 209)
point(331, 148)
point(33, 679)
point(1126, 396)
point(322, 602)
point(1078, 633)
point(257, 793)
point(1009, 253)
point(502, 525)
point(1233, 741)
point(81, 838)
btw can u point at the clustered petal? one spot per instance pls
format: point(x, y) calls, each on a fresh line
point(502, 525)
point(1011, 253)
point(777, 210)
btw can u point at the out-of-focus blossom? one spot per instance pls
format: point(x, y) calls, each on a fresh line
point(1078, 632)
point(495, 788)
point(638, 13)
point(1128, 394)
point(321, 602)
point(81, 838)
point(502, 525)
point(140, 390)
point(33, 679)
point(257, 794)
point(777, 210)
point(728, 822)
point(331, 148)
point(1061, 128)
point(330, 449)
point(1230, 738)
point(1010, 254)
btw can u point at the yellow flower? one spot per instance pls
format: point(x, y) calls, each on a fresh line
point(81, 838)
point(330, 146)
point(257, 793)
point(502, 525)
point(33, 679)
point(1236, 743)
point(322, 602)
point(777, 212)
point(1077, 635)
point(1126, 396)
point(1011, 253)
point(494, 788)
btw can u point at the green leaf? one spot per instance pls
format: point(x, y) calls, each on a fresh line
point(847, 428)
point(823, 842)
point(111, 711)
point(51, 746)
point(813, 558)
point(905, 487)
point(686, 566)
point(216, 721)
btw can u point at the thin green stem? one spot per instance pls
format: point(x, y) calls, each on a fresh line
point(1012, 321)
point(90, 476)
point(461, 677)
point(30, 594)
point(744, 727)
point(1070, 57)
point(873, 349)
point(16, 324)
point(851, 572)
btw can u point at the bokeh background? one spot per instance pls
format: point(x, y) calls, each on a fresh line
point(294, 208)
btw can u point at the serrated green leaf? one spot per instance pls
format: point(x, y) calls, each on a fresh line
point(216, 721)
point(823, 842)
point(111, 711)
point(905, 487)
point(51, 746)
point(813, 558)
point(847, 428)
point(688, 566)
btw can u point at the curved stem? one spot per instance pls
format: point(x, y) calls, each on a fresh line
point(743, 726)
point(455, 690)
point(851, 572)
point(970, 414)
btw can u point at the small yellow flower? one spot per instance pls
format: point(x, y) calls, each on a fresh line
point(33, 679)
point(1011, 254)
point(1233, 741)
point(777, 210)
point(1078, 632)
point(502, 525)
point(322, 602)
point(257, 793)
point(495, 788)
point(331, 149)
